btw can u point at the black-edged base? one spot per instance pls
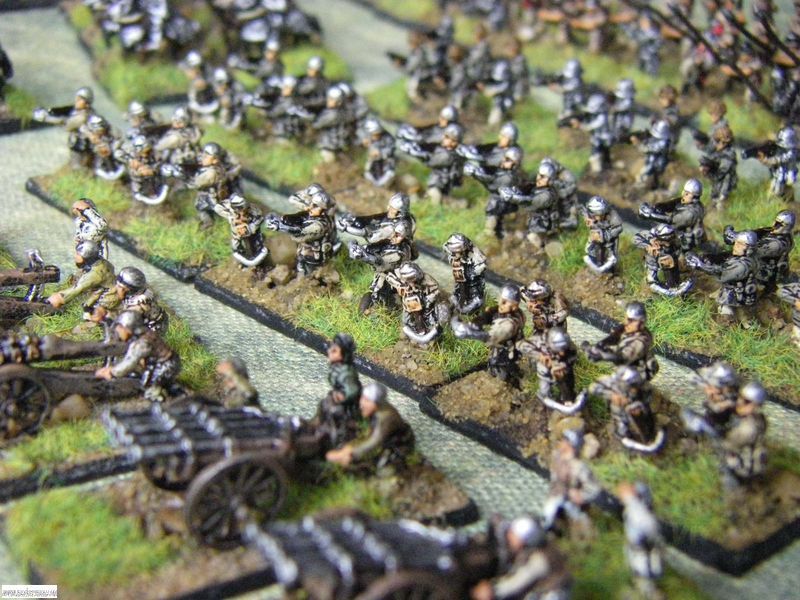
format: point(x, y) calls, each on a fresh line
point(11, 126)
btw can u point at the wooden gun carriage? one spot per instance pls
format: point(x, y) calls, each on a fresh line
point(34, 276)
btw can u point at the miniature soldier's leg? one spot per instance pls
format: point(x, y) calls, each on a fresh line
point(569, 212)
point(545, 388)
point(504, 365)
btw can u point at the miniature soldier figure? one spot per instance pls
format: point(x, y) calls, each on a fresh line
point(566, 185)
point(541, 202)
point(313, 228)
point(773, 248)
point(312, 87)
point(573, 486)
point(201, 99)
point(736, 273)
point(381, 163)
point(570, 81)
point(337, 412)
point(96, 274)
point(416, 66)
point(661, 261)
point(6, 72)
point(468, 264)
point(378, 227)
point(334, 126)
point(147, 355)
point(719, 163)
point(147, 184)
point(424, 312)
point(237, 391)
point(384, 255)
point(73, 118)
point(782, 162)
point(669, 111)
point(247, 242)
point(791, 293)
point(288, 117)
point(492, 154)
point(530, 566)
point(499, 86)
point(520, 72)
point(622, 111)
point(684, 214)
point(717, 110)
point(444, 160)
point(643, 542)
point(141, 122)
point(479, 58)
point(598, 123)
point(89, 225)
point(459, 84)
point(506, 175)
point(130, 293)
point(629, 396)
point(605, 227)
point(179, 146)
point(656, 147)
point(555, 357)
point(430, 134)
point(505, 325)
point(229, 93)
point(270, 68)
point(721, 386)
point(104, 147)
point(390, 440)
point(210, 181)
point(647, 36)
point(630, 344)
point(548, 308)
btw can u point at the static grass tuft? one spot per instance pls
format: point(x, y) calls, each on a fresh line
point(296, 58)
point(20, 103)
point(54, 446)
point(77, 539)
point(197, 363)
point(391, 101)
point(340, 490)
point(686, 489)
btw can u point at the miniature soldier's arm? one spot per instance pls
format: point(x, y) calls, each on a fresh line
point(205, 178)
point(478, 261)
point(495, 89)
point(169, 141)
point(225, 212)
point(137, 350)
point(642, 240)
point(90, 280)
point(312, 230)
point(500, 331)
point(732, 271)
point(560, 308)
point(440, 159)
point(351, 386)
point(632, 351)
point(587, 486)
point(522, 579)
point(326, 119)
point(478, 172)
point(614, 228)
point(772, 247)
point(384, 425)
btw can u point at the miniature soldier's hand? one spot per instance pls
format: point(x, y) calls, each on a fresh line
point(39, 113)
point(646, 209)
point(338, 397)
point(56, 300)
point(482, 591)
point(341, 456)
point(241, 230)
point(98, 315)
point(693, 261)
point(104, 373)
point(469, 168)
point(704, 169)
point(596, 235)
point(761, 156)
point(575, 496)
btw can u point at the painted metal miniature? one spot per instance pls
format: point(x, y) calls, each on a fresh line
point(334, 125)
point(390, 440)
point(685, 214)
point(144, 171)
point(656, 145)
point(573, 486)
point(790, 293)
point(605, 227)
point(646, 34)
point(468, 264)
point(73, 117)
point(622, 111)
point(146, 355)
point(736, 273)
point(313, 228)
point(499, 86)
point(105, 147)
point(629, 396)
point(230, 99)
point(566, 186)
point(597, 121)
point(96, 275)
point(662, 261)
point(444, 160)
point(720, 383)
point(287, 115)
point(312, 88)
point(380, 167)
point(433, 133)
point(506, 175)
point(630, 344)
point(14, 309)
point(129, 294)
point(644, 546)
point(247, 241)
point(90, 226)
point(179, 146)
point(781, 157)
point(337, 413)
point(555, 356)
point(570, 82)
point(773, 247)
point(548, 308)
point(719, 163)
point(237, 390)
point(540, 200)
point(424, 310)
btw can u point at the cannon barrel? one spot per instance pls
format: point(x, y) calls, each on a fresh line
point(14, 277)
point(55, 348)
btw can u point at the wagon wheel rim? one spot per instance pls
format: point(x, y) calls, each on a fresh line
point(24, 402)
point(221, 492)
point(411, 585)
point(161, 475)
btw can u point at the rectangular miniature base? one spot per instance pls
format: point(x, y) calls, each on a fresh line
point(11, 126)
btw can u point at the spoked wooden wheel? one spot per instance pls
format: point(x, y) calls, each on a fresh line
point(410, 585)
point(24, 401)
point(172, 473)
point(226, 493)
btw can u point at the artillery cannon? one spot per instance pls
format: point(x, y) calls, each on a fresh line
point(34, 276)
point(27, 394)
point(229, 461)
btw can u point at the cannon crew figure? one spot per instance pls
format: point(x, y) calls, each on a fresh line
point(468, 264)
point(444, 160)
point(337, 412)
point(179, 146)
point(96, 275)
point(566, 185)
point(89, 225)
point(505, 175)
point(130, 293)
point(719, 164)
point(773, 248)
point(381, 163)
point(313, 228)
point(147, 355)
point(390, 440)
point(597, 121)
point(334, 125)
point(661, 260)
point(505, 325)
point(630, 344)
point(720, 383)
point(781, 158)
point(605, 227)
point(684, 214)
point(656, 145)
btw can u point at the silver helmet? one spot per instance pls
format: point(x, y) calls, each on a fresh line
point(88, 250)
point(537, 289)
point(787, 138)
point(449, 114)
point(409, 272)
point(629, 376)
point(375, 392)
point(635, 311)
point(457, 243)
point(86, 93)
point(660, 130)
point(693, 187)
point(663, 231)
point(315, 63)
point(132, 278)
point(596, 104)
point(130, 320)
point(558, 339)
point(720, 375)
point(572, 69)
point(546, 169)
point(454, 132)
point(754, 393)
point(597, 205)
point(784, 222)
point(372, 126)
point(511, 131)
point(528, 531)
point(510, 293)
point(625, 90)
point(399, 202)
